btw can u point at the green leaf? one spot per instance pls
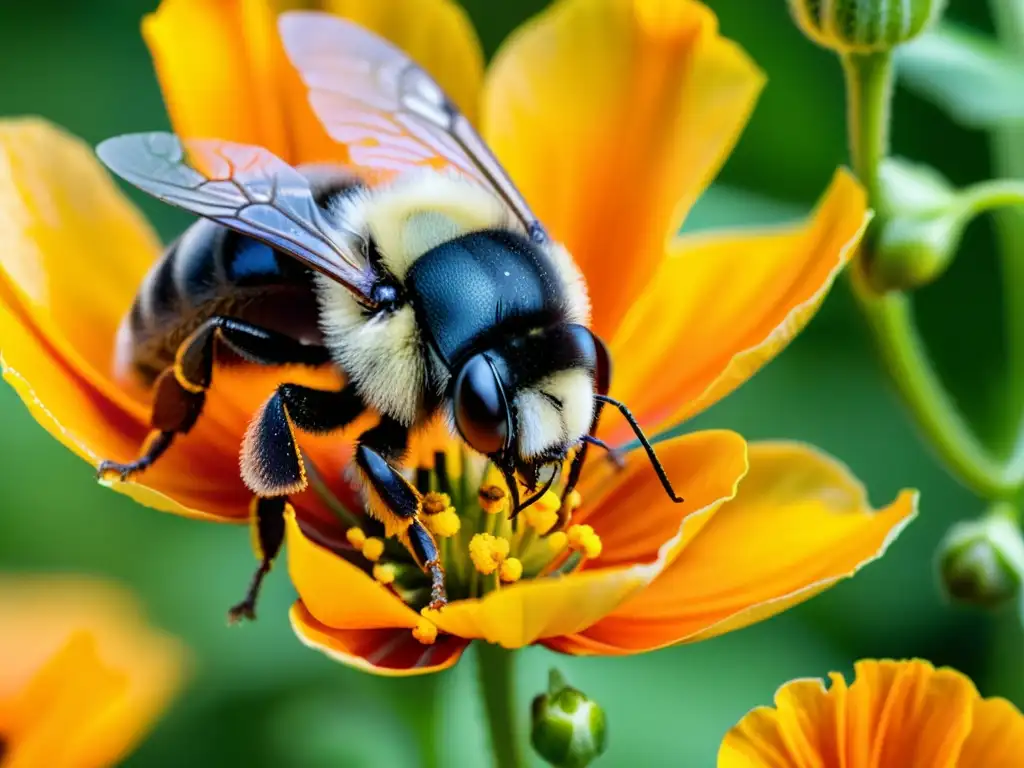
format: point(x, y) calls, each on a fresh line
point(966, 74)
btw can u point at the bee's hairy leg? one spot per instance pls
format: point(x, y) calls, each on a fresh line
point(396, 502)
point(266, 518)
point(180, 391)
point(271, 462)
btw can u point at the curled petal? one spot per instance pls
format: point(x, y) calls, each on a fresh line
point(723, 305)
point(387, 652)
point(594, 97)
point(800, 523)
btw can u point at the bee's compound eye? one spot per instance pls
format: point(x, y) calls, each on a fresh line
point(481, 411)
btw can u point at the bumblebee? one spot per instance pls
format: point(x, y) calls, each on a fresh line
point(436, 292)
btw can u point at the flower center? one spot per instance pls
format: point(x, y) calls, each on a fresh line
point(466, 507)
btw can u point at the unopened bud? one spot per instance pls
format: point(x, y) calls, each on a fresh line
point(568, 729)
point(864, 26)
point(981, 561)
point(924, 221)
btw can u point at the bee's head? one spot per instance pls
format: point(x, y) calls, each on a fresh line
point(529, 399)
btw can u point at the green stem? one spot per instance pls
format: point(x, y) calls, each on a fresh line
point(1008, 161)
point(903, 352)
point(869, 83)
point(497, 684)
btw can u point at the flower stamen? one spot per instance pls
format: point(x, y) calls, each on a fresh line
point(385, 573)
point(373, 548)
point(488, 552)
point(425, 631)
point(356, 537)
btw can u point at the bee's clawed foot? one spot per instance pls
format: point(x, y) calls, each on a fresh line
point(123, 471)
point(245, 610)
point(438, 603)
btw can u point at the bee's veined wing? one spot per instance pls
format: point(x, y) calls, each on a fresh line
point(243, 187)
point(386, 109)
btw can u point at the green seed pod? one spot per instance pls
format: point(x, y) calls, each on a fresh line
point(568, 729)
point(981, 562)
point(864, 26)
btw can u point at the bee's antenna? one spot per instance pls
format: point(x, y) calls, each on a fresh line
point(660, 470)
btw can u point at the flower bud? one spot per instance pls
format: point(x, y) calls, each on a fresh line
point(864, 26)
point(568, 729)
point(923, 224)
point(981, 562)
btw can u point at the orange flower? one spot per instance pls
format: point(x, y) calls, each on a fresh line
point(82, 678)
point(897, 714)
point(611, 115)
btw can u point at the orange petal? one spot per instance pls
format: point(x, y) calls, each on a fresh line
point(800, 523)
point(387, 652)
point(630, 510)
point(895, 714)
point(219, 68)
point(594, 97)
point(802, 731)
point(907, 713)
point(997, 736)
point(337, 593)
point(224, 74)
point(72, 253)
point(721, 306)
point(82, 677)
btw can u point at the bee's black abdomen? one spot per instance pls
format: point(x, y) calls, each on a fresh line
point(480, 285)
point(211, 270)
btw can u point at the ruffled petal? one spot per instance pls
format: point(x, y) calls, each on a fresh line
point(612, 116)
point(907, 713)
point(82, 677)
point(634, 516)
point(224, 74)
point(723, 305)
point(386, 652)
point(997, 736)
point(337, 593)
point(800, 523)
point(801, 731)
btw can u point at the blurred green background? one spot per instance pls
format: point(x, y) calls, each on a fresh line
point(257, 697)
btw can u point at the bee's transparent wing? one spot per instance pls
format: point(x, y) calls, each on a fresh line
point(243, 187)
point(386, 109)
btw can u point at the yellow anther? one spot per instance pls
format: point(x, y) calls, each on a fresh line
point(492, 498)
point(543, 513)
point(356, 537)
point(583, 539)
point(511, 570)
point(557, 541)
point(488, 552)
point(425, 632)
point(373, 548)
point(443, 524)
point(435, 503)
point(384, 573)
